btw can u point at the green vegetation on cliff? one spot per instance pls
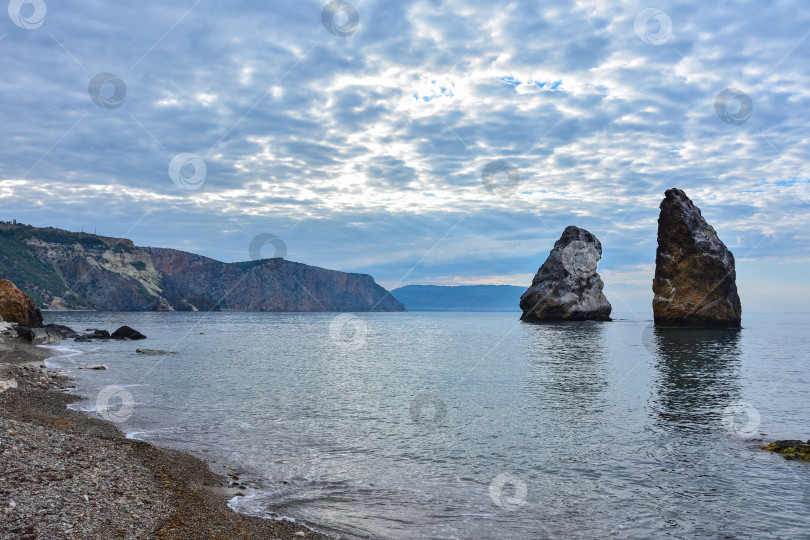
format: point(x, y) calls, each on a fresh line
point(63, 270)
point(19, 265)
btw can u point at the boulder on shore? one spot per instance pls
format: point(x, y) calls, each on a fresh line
point(66, 331)
point(127, 333)
point(695, 279)
point(567, 286)
point(50, 334)
point(17, 307)
point(97, 334)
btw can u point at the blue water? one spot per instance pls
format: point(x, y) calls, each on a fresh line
point(473, 425)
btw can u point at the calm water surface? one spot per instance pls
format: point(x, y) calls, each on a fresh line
point(473, 425)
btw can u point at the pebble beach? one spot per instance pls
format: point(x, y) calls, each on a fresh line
point(64, 474)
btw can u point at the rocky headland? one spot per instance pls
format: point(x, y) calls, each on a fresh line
point(695, 278)
point(64, 270)
point(567, 286)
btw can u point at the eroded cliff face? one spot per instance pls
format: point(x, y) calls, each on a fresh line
point(194, 282)
point(63, 270)
point(109, 275)
point(695, 277)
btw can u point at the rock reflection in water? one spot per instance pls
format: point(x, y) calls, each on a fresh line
point(569, 369)
point(697, 376)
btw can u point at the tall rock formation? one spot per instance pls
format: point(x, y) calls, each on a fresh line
point(17, 307)
point(695, 280)
point(567, 286)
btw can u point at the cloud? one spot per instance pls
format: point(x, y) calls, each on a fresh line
point(366, 152)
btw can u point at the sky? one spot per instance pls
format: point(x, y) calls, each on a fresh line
point(422, 142)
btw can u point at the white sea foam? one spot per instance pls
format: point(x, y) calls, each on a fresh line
point(69, 353)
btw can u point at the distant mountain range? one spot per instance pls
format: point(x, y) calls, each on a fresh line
point(460, 298)
point(65, 270)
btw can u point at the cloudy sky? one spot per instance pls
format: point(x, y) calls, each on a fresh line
point(362, 135)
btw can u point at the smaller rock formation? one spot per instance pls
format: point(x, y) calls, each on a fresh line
point(95, 367)
point(695, 279)
point(153, 352)
point(17, 307)
point(127, 333)
point(567, 286)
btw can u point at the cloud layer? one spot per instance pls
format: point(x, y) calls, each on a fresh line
point(366, 152)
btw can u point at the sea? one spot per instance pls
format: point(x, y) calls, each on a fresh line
point(427, 425)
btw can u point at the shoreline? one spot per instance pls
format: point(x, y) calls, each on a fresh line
point(65, 474)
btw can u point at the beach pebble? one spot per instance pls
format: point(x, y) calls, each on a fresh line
point(6, 385)
point(12, 504)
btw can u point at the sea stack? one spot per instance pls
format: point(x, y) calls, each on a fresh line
point(695, 280)
point(567, 286)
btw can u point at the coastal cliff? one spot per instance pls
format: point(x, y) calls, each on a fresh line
point(64, 270)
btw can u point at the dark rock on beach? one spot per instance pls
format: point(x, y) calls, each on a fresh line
point(99, 334)
point(66, 331)
point(695, 278)
point(567, 286)
point(127, 333)
point(46, 335)
point(50, 334)
point(17, 307)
